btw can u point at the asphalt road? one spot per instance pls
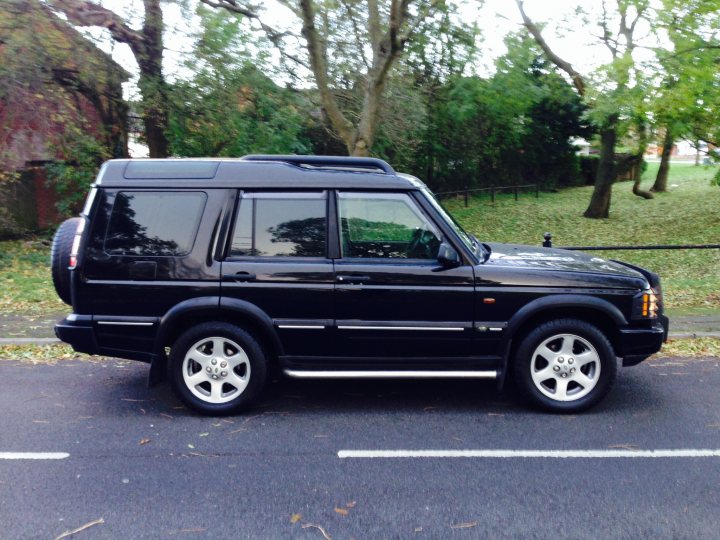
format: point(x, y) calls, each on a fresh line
point(151, 469)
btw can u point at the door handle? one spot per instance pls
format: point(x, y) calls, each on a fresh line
point(353, 280)
point(240, 276)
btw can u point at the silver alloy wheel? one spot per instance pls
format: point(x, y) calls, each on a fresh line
point(565, 367)
point(216, 370)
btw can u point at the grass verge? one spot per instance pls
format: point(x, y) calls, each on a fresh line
point(25, 281)
point(687, 214)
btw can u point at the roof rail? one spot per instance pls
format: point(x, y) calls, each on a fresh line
point(340, 162)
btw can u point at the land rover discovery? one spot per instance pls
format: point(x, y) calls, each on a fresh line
point(216, 271)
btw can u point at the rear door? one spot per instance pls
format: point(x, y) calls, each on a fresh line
point(147, 250)
point(277, 260)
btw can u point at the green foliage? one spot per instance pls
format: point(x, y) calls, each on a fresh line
point(72, 177)
point(229, 107)
point(8, 225)
point(514, 127)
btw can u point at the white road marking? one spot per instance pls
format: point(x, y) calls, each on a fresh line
point(34, 455)
point(553, 454)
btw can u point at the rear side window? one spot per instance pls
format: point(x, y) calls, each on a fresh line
point(152, 223)
point(280, 225)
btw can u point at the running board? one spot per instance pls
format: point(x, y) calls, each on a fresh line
point(363, 374)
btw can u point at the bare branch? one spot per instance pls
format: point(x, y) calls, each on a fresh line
point(86, 13)
point(534, 31)
point(276, 37)
point(318, 62)
point(356, 31)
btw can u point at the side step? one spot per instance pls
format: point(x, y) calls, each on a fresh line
point(398, 374)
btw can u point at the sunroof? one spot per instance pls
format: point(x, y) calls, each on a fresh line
point(165, 169)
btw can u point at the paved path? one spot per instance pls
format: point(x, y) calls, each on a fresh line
point(151, 469)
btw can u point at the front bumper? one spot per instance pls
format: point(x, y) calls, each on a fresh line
point(637, 344)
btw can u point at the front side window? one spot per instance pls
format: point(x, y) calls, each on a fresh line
point(280, 225)
point(154, 223)
point(385, 226)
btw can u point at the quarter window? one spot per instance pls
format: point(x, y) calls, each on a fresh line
point(386, 226)
point(280, 225)
point(150, 223)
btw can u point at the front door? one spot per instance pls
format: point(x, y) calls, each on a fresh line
point(394, 301)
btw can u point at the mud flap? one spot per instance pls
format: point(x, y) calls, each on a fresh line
point(158, 370)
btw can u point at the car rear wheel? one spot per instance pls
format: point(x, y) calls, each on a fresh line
point(217, 368)
point(60, 257)
point(566, 365)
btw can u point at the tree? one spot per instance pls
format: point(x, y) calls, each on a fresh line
point(512, 128)
point(228, 106)
point(685, 105)
point(607, 97)
point(146, 45)
point(349, 43)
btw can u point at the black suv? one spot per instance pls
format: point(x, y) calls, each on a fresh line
point(217, 270)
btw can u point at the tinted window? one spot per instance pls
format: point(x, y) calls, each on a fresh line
point(385, 226)
point(280, 225)
point(154, 223)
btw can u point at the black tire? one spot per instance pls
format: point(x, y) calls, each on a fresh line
point(255, 369)
point(600, 372)
point(60, 258)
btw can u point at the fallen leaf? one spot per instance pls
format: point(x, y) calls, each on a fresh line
point(144, 441)
point(351, 504)
point(319, 528)
point(468, 525)
point(191, 530)
point(66, 534)
point(624, 446)
point(341, 511)
point(295, 518)
point(191, 446)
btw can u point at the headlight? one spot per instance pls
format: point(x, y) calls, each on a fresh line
point(647, 304)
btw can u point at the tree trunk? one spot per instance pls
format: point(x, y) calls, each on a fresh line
point(661, 179)
point(152, 83)
point(599, 207)
point(637, 178)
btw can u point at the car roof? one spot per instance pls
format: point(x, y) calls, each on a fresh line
point(255, 172)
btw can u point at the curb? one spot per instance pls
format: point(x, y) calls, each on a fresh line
point(29, 341)
point(55, 341)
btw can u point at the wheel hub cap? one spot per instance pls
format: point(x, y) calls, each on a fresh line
point(565, 367)
point(216, 369)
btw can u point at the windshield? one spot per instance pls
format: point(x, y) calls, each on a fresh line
point(469, 240)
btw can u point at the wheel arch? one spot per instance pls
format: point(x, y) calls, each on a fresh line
point(239, 312)
point(596, 311)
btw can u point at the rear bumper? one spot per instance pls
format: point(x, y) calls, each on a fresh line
point(82, 333)
point(636, 344)
point(78, 332)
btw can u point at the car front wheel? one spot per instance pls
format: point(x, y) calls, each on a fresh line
point(565, 365)
point(217, 368)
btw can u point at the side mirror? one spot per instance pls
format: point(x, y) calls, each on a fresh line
point(447, 256)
